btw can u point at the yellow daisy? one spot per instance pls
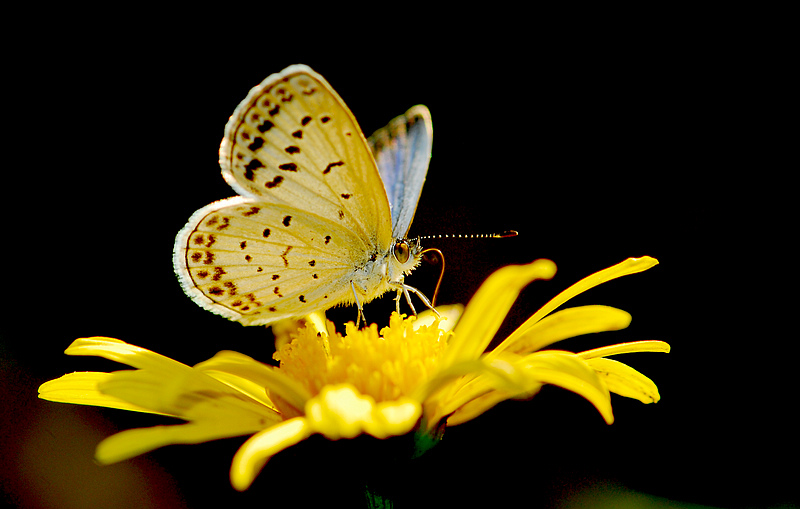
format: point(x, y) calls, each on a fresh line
point(416, 375)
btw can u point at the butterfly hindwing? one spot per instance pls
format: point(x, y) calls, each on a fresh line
point(257, 262)
point(293, 141)
point(402, 151)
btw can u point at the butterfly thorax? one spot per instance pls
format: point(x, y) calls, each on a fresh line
point(384, 271)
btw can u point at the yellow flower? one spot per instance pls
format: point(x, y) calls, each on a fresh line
point(414, 375)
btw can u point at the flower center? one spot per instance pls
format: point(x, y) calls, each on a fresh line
point(385, 365)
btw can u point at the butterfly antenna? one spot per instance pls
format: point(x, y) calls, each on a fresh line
point(502, 235)
point(441, 273)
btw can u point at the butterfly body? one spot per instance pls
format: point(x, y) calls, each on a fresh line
point(313, 226)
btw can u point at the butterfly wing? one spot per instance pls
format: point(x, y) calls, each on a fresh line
point(312, 206)
point(402, 150)
point(257, 262)
point(293, 141)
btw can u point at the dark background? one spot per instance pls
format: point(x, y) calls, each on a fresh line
point(595, 138)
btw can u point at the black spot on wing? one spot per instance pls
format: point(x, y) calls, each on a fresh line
point(298, 134)
point(258, 142)
point(292, 149)
point(288, 167)
point(285, 97)
point(274, 182)
point(304, 122)
point(252, 166)
point(331, 166)
point(266, 126)
point(225, 223)
point(231, 286)
point(265, 233)
point(283, 256)
point(218, 273)
point(287, 220)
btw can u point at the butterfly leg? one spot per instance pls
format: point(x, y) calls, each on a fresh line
point(408, 299)
point(404, 288)
point(360, 307)
point(397, 300)
point(421, 296)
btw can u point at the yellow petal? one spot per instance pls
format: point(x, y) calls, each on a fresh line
point(480, 393)
point(625, 381)
point(448, 317)
point(119, 351)
point(340, 411)
point(254, 454)
point(634, 346)
point(393, 418)
point(481, 404)
point(489, 307)
point(569, 371)
point(470, 383)
point(563, 369)
point(191, 395)
point(257, 372)
point(81, 389)
point(564, 324)
point(627, 267)
point(133, 442)
point(248, 387)
point(453, 377)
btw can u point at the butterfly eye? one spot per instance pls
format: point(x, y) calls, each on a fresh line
point(401, 251)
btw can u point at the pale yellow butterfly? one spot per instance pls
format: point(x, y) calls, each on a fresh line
point(323, 212)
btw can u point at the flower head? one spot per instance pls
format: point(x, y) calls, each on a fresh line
point(413, 375)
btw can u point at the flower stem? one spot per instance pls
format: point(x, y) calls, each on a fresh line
point(376, 500)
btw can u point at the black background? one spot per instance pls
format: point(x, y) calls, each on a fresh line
point(595, 138)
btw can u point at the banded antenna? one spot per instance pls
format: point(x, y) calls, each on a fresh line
point(502, 235)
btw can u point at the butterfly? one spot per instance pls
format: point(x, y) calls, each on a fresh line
point(322, 213)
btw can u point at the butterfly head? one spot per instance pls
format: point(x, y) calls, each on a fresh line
point(405, 255)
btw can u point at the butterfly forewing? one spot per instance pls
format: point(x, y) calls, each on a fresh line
point(402, 150)
point(293, 141)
